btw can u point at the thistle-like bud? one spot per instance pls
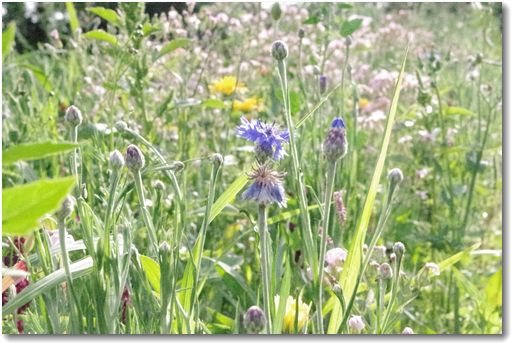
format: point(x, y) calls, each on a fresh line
point(301, 33)
point(408, 331)
point(254, 320)
point(116, 160)
point(395, 176)
point(66, 208)
point(164, 247)
point(393, 257)
point(73, 116)
point(177, 166)
point(134, 158)
point(279, 50)
point(276, 11)
point(348, 41)
point(217, 159)
point(322, 84)
point(399, 249)
point(121, 126)
point(356, 323)
point(336, 145)
point(385, 271)
point(159, 185)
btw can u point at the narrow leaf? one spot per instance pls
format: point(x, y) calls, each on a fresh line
point(35, 151)
point(152, 271)
point(173, 45)
point(105, 13)
point(102, 36)
point(73, 18)
point(228, 196)
point(8, 39)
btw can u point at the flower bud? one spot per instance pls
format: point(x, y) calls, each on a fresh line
point(279, 50)
point(336, 144)
point(393, 257)
point(301, 33)
point(395, 176)
point(399, 249)
point(73, 116)
point(121, 126)
point(276, 11)
point(177, 166)
point(356, 323)
point(254, 320)
point(134, 158)
point(322, 84)
point(159, 185)
point(348, 41)
point(217, 159)
point(116, 160)
point(66, 208)
point(385, 271)
point(408, 331)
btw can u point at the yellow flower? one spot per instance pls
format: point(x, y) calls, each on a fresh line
point(290, 314)
point(248, 105)
point(362, 103)
point(226, 85)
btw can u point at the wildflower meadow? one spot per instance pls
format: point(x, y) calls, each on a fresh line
point(252, 168)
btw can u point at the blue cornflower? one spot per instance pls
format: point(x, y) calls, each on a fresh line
point(336, 145)
point(266, 187)
point(268, 138)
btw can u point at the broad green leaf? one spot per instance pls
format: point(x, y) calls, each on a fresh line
point(228, 196)
point(294, 102)
point(350, 26)
point(27, 152)
point(78, 269)
point(213, 103)
point(453, 110)
point(494, 290)
point(152, 271)
point(233, 280)
point(8, 39)
point(102, 36)
point(105, 13)
point(73, 18)
point(40, 76)
point(24, 205)
point(353, 262)
point(173, 45)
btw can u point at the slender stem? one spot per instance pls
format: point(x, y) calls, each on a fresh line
point(330, 177)
point(113, 186)
point(393, 294)
point(261, 224)
point(145, 213)
point(298, 175)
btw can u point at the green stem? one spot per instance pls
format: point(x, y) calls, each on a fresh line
point(145, 213)
point(261, 225)
point(330, 177)
point(298, 175)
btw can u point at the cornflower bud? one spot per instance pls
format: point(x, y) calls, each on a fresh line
point(121, 126)
point(336, 145)
point(385, 271)
point(134, 158)
point(254, 320)
point(116, 160)
point(217, 159)
point(66, 208)
point(395, 176)
point(73, 116)
point(399, 249)
point(276, 11)
point(279, 50)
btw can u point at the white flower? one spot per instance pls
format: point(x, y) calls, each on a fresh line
point(356, 323)
point(433, 268)
point(408, 331)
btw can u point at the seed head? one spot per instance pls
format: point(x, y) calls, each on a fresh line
point(336, 145)
point(73, 116)
point(134, 158)
point(254, 320)
point(385, 271)
point(116, 160)
point(279, 50)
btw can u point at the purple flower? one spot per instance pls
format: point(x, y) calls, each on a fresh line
point(336, 145)
point(268, 138)
point(267, 187)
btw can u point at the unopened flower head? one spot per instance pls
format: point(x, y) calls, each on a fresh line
point(66, 208)
point(322, 84)
point(294, 306)
point(301, 33)
point(73, 116)
point(266, 187)
point(336, 145)
point(268, 138)
point(356, 323)
point(254, 320)
point(116, 160)
point(121, 126)
point(279, 50)
point(385, 271)
point(399, 249)
point(135, 159)
point(408, 331)
point(217, 159)
point(396, 176)
point(276, 11)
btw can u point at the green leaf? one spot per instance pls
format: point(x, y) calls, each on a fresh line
point(453, 110)
point(233, 280)
point(213, 103)
point(228, 196)
point(78, 269)
point(152, 271)
point(40, 76)
point(494, 290)
point(288, 214)
point(283, 295)
point(294, 102)
point(172, 45)
point(311, 20)
point(105, 13)
point(445, 264)
point(353, 262)
point(102, 36)
point(24, 205)
point(34, 151)
point(73, 18)
point(8, 39)
point(350, 26)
